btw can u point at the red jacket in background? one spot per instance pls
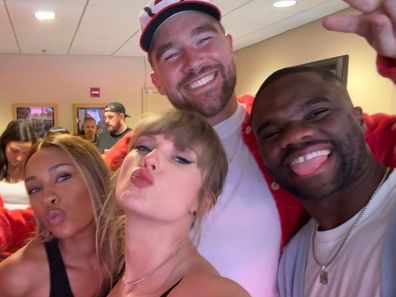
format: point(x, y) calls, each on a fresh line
point(16, 226)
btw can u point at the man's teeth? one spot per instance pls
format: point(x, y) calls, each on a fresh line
point(310, 156)
point(202, 81)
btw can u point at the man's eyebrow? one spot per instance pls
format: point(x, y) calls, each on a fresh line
point(207, 27)
point(314, 100)
point(304, 106)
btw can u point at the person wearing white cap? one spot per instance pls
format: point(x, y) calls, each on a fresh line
point(193, 65)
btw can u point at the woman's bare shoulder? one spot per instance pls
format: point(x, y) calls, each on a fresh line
point(23, 270)
point(208, 284)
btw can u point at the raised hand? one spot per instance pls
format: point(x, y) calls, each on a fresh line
point(376, 23)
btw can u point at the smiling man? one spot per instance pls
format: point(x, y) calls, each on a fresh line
point(193, 65)
point(311, 139)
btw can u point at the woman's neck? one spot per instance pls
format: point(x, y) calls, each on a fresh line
point(153, 258)
point(14, 174)
point(81, 258)
point(80, 248)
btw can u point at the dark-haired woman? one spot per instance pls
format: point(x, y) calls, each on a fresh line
point(15, 142)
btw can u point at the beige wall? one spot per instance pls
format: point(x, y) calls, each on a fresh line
point(65, 80)
point(310, 43)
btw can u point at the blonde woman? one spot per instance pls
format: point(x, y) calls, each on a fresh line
point(67, 182)
point(169, 180)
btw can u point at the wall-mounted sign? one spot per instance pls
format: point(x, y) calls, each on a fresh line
point(95, 92)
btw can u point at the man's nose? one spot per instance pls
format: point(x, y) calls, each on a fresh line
point(295, 133)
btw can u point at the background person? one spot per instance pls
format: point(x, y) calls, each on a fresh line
point(15, 142)
point(116, 127)
point(67, 182)
point(17, 223)
point(170, 179)
point(56, 130)
point(193, 65)
point(89, 129)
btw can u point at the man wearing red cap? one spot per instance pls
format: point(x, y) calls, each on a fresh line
point(193, 65)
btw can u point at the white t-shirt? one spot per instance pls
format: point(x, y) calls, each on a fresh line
point(241, 234)
point(14, 195)
point(363, 249)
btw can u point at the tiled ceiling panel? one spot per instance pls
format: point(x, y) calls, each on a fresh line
point(110, 27)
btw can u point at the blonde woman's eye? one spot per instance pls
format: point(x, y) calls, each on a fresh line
point(62, 177)
point(182, 160)
point(142, 149)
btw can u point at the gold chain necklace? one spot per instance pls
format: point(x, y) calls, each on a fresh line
point(323, 274)
point(133, 283)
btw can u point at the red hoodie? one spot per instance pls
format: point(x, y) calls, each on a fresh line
point(16, 226)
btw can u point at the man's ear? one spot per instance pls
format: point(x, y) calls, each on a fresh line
point(358, 113)
point(157, 83)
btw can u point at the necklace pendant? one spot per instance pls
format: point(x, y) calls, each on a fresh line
point(323, 279)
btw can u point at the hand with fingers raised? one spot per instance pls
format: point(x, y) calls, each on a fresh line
point(376, 23)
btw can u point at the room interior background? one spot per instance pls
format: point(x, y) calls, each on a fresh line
point(66, 80)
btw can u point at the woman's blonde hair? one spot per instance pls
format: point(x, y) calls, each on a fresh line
point(96, 175)
point(188, 130)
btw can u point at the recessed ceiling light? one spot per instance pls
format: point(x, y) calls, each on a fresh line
point(284, 3)
point(45, 15)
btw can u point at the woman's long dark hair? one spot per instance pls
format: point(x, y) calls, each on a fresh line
point(18, 130)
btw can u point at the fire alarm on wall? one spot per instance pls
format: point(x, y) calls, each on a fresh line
point(95, 92)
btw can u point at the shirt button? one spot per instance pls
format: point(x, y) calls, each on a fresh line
point(248, 130)
point(275, 186)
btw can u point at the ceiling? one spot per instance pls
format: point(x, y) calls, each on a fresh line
point(110, 27)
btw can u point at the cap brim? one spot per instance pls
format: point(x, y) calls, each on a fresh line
point(168, 11)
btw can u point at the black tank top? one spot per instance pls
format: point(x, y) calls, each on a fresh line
point(170, 289)
point(59, 283)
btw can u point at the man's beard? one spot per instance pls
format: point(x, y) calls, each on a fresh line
point(227, 91)
point(353, 158)
point(113, 129)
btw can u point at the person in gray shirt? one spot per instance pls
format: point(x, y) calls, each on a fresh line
point(116, 127)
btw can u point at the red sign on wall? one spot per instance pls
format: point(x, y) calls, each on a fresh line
point(95, 92)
